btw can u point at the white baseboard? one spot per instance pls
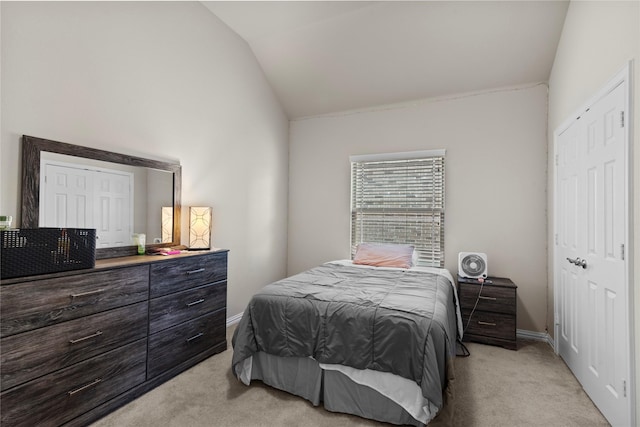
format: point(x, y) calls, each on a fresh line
point(536, 336)
point(234, 319)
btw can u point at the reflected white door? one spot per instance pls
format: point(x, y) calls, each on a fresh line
point(86, 198)
point(114, 213)
point(592, 288)
point(68, 201)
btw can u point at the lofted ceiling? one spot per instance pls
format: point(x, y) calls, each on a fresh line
point(328, 56)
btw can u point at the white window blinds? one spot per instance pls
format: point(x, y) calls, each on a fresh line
point(396, 200)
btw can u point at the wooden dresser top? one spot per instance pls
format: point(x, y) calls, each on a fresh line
point(113, 263)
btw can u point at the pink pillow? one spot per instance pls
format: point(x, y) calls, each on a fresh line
point(384, 255)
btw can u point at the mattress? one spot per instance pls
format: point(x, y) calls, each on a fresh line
point(390, 331)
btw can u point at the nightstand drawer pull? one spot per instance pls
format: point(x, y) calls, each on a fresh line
point(195, 337)
point(84, 294)
point(199, 270)
point(488, 298)
point(84, 387)
point(88, 337)
point(486, 323)
point(200, 301)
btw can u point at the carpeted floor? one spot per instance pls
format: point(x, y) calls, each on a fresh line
point(493, 387)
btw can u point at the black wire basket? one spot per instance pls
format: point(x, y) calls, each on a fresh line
point(27, 252)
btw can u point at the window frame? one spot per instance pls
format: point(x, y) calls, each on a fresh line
point(411, 206)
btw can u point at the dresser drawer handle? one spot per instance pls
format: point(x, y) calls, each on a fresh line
point(195, 337)
point(486, 323)
point(84, 294)
point(200, 270)
point(84, 387)
point(488, 298)
point(88, 337)
point(200, 301)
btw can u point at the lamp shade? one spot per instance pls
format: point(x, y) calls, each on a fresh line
point(167, 224)
point(200, 227)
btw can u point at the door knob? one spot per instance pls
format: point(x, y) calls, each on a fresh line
point(579, 262)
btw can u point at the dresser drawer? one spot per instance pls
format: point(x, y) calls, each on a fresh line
point(38, 303)
point(175, 345)
point(493, 298)
point(173, 309)
point(35, 353)
point(184, 273)
point(58, 397)
point(495, 325)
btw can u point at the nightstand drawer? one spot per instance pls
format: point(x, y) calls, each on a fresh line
point(496, 325)
point(173, 309)
point(175, 345)
point(492, 298)
point(61, 396)
point(185, 273)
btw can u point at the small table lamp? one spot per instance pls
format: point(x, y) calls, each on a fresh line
point(167, 224)
point(200, 227)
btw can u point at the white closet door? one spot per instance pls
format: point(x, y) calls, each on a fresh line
point(567, 276)
point(590, 267)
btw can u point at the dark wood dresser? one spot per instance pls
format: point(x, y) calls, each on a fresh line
point(494, 319)
point(79, 344)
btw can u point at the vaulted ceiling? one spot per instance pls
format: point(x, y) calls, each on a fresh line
point(327, 56)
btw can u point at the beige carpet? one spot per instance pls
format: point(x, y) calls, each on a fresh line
point(493, 387)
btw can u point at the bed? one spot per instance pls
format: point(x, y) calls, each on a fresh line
point(377, 342)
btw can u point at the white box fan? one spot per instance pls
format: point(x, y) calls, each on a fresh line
point(472, 265)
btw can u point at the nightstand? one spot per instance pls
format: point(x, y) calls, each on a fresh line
point(494, 319)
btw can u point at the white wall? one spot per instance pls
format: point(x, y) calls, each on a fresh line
point(598, 39)
point(495, 181)
point(163, 80)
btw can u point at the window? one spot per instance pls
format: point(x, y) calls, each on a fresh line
point(399, 198)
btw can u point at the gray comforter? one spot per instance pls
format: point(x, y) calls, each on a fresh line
point(397, 321)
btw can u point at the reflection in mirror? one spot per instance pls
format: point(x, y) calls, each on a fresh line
point(167, 224)
point(117, 195)
point(117, 200)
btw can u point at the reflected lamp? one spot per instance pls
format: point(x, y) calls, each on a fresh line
point(167, 224)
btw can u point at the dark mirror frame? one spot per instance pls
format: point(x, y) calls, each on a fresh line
point(33, 146)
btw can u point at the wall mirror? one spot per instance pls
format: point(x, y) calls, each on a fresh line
point(67, 185)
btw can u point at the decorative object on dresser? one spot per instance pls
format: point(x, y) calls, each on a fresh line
point(79, 344)
point(27, 252)
point(489, 310)
point(200, 221)
point(5, 222)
